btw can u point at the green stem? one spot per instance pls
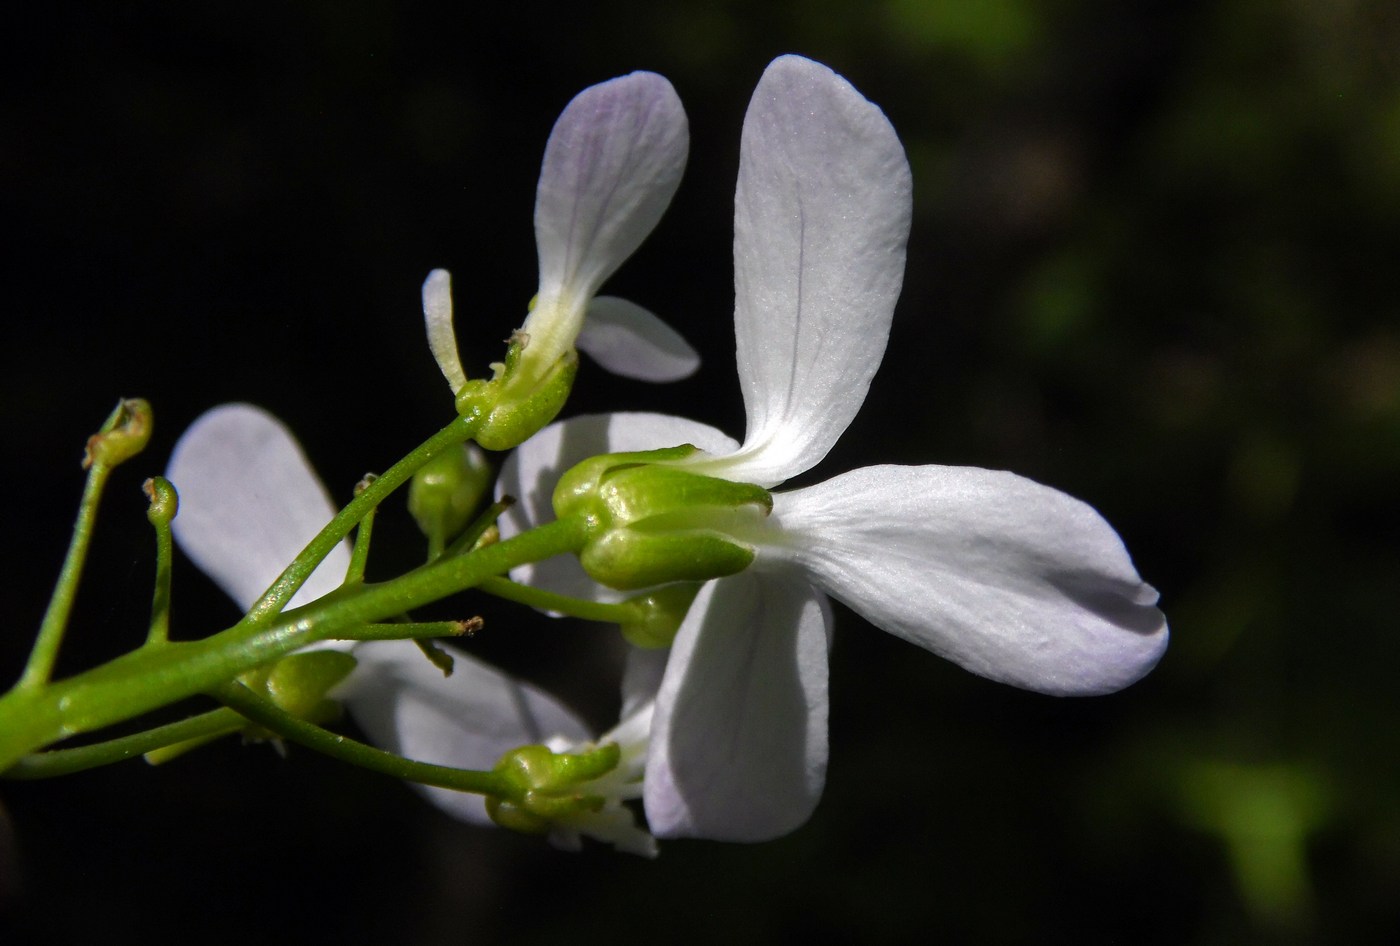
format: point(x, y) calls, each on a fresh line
point(625, 612)
point(475, 532)
point(67, 761)
point(151, 677)
point(159, 631)
point(414, 630)
point(271, 603)
point(272, 717)
point(45, 652)
point(359, 554)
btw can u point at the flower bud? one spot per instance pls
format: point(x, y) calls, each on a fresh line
point(443, 494)
point(165, 502)
point(125, 433)
point(299, 683)
point(660, 614)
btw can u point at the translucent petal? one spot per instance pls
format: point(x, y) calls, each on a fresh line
point(1011, 579)
point(821, 217)
point(628, 340)
point(468, 720)
point(249, 503)
point(739, 742)
point(613, 162)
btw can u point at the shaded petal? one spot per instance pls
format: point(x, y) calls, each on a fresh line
point(531, 472)
point(1011, 579)
point(821, 217)
point(628, 340)
point(442, 337)
point(642, 679)
point(613, 162)
point(739, 743)
point(249, 503)
point(468, 720)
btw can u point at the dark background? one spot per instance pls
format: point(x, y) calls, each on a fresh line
point(1152, 265)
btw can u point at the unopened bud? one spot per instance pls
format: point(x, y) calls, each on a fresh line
point(659, 615)
point(165, 502)
point(124, 435)
point(443, 494)
point(299, 683)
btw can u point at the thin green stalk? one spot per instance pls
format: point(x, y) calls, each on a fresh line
point(624, 612)
point(474, 533)
point(266, 609)
point(150, 677)
point(272, 717)
point(359, 554)
point(411, 630)
point(67, 761)
point(46, 644)
point(162, 510)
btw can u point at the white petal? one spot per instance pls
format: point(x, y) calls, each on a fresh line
point(821, 217)
point(1011, 579)
point(249, 503)
point(642, 678)
point(628, 340)
point(442, 338)
point(468, 720)
point(613, 162)
point(738, 750)
point(531, 472)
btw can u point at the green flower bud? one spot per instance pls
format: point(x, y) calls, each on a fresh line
point(125, 433)
point(443, 494)
point(299, 683)
point(660, 614)
point(165, 502)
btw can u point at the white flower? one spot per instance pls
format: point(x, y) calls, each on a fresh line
point(612, 164)
point(1011, 579)
point(249, 503)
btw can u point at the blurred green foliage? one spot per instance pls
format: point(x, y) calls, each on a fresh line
point(1152, 264)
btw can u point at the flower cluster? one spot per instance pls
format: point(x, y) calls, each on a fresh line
point(723, 729)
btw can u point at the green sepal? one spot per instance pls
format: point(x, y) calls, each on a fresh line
point(651, 522)
point(543, 786)
point(628, 558)
point(578, 487)
point(514, 407)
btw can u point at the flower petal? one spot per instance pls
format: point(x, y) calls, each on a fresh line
point(249, 503)
point(1011, 579)
point(821, 217)
point(531, 472)
point(739, 743)
point(642, 678)
point(612, 164)
point(468, 720)
point(442, 337)
point(630, 341)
